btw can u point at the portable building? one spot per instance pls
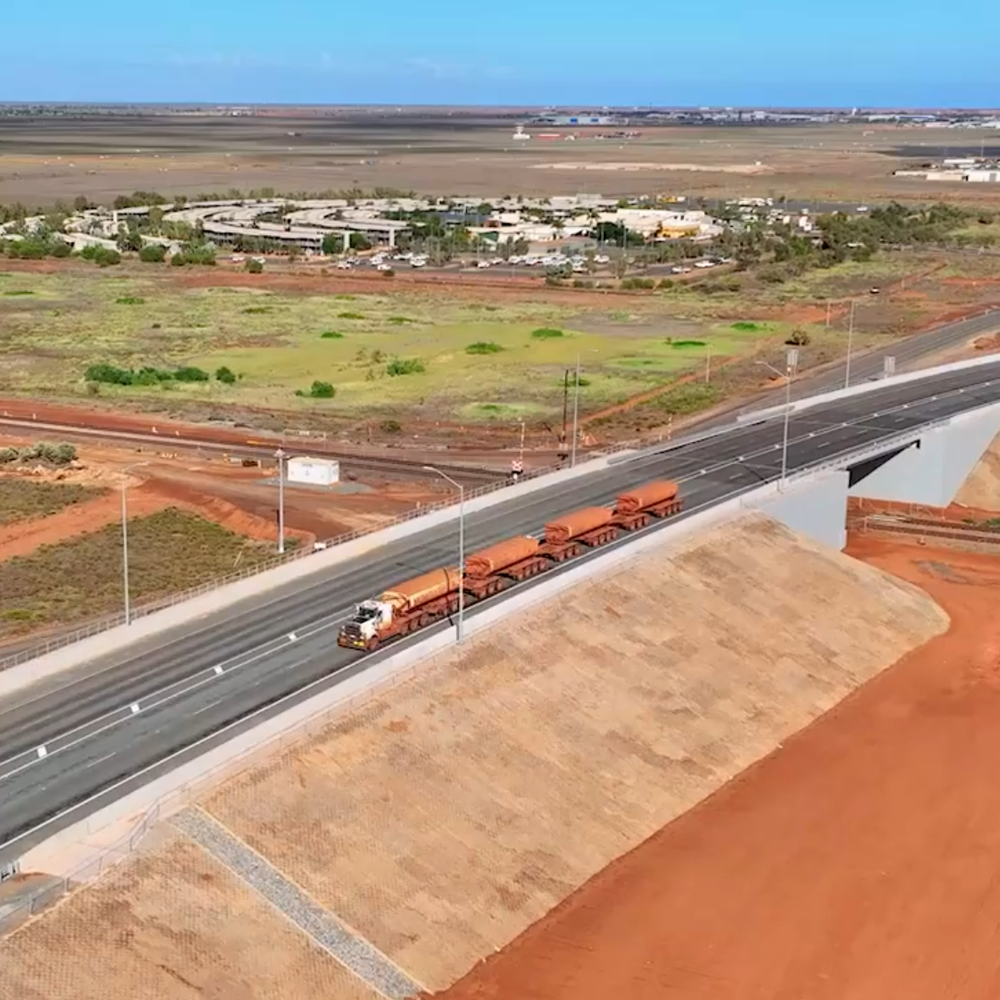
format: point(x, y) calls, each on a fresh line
point(313, 471)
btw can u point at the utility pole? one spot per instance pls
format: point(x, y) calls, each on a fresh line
point(280, 456)
point(708, 364)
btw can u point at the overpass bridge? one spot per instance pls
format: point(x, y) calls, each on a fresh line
point(101, 728)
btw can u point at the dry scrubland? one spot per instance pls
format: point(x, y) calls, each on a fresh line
point(444, 819)
point(478, 361)
point(169, 552)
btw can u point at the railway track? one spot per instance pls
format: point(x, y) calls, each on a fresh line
point(258, 448)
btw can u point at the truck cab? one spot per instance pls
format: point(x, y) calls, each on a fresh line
point(364, 629)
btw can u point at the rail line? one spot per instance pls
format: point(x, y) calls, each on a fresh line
point(258, 448)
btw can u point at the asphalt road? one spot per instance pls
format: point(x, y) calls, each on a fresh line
point(115, 723)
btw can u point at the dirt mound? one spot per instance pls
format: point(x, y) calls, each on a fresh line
point(982, 488)
point(856, 864)
point(445, 818)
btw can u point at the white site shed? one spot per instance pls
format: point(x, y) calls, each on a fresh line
point(313, 471)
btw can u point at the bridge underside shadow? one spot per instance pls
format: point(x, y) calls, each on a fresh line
point(929, 471)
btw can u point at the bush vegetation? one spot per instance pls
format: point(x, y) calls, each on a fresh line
point(82, 578)
point(546, 333)
point(111, 375)
point(22, 499)
point(483, 347)
point(318, 390)
point(153, 253)
point(405, 366)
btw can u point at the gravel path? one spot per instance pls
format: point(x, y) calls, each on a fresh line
point(365, 961)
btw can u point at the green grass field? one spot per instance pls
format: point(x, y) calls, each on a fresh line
point(475, 361)
point(22, 499)
point(170, 552)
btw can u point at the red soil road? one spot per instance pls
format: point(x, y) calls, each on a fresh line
point(858, 862)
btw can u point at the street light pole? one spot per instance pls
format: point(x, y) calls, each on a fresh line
point(576, 411)
point(850, 338)
point(460, 627)
point(280, 456)
point(789, 370)
point(125, 583)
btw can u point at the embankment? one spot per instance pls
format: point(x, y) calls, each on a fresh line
point(982, 489)
point(442, 820)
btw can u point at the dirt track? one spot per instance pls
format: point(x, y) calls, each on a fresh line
point(858, 862)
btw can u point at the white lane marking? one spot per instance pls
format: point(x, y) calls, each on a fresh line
point(334, 620)
point(101, 760)
point(42, 752)
point(200, 681)
point(135, 708)
point(218, 670)
point(292, 637)
point(205, 708)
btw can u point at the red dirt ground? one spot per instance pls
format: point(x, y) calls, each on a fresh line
point(858, 862)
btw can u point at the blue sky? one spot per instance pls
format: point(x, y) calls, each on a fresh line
point(588, 52)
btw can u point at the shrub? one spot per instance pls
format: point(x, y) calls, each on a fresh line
point(546, 333)
point(798, 338)
point(60, 249)
point(108, 374)
point(19, 291)
point(404, 366)
point(483, 347)
point(190, 374)
point(177, 260)
point(129, 300)
point(400, 320)
point(318, 390)
point(101, 256)
point(390, 426)
point(331, 335)
point(687, 343)
point(746, 326)
point(350, 315)
point(253, 267)
point(225, 375)
point(257, 310)
point(666, 283)
point(8, 455)
point(388, 274)
point(638, 283)
point(153, 253)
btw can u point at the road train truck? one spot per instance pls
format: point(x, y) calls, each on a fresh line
point(432, 596)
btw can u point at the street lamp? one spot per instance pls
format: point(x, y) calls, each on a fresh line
point(280, 456)
point(125, 586)
point(791, 359)
point(461, 548)
point(850, 338)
